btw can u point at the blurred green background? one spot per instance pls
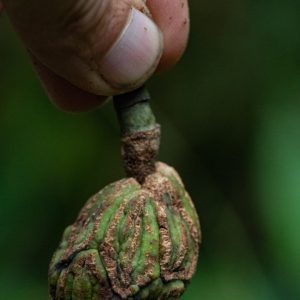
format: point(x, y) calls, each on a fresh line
point(230, 113)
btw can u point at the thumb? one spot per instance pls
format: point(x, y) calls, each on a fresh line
point(104, 47)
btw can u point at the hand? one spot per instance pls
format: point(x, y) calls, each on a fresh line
point(86, 50)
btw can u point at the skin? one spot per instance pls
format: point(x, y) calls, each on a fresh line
point(63, 37)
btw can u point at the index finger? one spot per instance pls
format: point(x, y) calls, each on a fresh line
point(172, 17)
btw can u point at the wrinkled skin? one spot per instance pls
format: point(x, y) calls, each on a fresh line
point(130, 241)
point(68, 39)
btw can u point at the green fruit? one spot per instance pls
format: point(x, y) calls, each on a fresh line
point(130, 241)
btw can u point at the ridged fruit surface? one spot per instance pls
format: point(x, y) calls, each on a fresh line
point(130, 241)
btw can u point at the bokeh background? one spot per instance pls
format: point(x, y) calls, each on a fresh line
point(230, 113)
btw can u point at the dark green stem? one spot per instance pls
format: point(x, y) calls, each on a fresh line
point(134, 112)
point(140, 133)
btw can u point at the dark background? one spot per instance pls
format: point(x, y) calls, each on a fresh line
point(230, 113)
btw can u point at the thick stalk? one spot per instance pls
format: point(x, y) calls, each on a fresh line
point(140, 133)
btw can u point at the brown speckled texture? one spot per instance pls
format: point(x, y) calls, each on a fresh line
point(130, 241)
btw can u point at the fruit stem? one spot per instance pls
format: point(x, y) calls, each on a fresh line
point(140, 133)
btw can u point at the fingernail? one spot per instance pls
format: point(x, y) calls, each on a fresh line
point(135, 55)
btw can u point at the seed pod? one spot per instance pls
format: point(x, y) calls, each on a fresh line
point(130, 241)
point(138, 238)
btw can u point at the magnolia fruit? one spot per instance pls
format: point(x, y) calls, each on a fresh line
point(130, 241)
